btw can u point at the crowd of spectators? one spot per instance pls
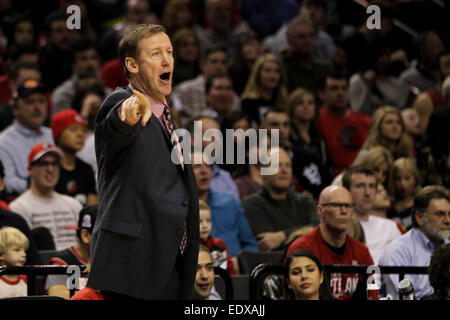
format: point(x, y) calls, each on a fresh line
point(362, 115)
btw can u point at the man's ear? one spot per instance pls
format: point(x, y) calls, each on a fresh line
point(131, 65)
point(319, 210)
point(420, 218)
point(14, 107)
point(85, 236)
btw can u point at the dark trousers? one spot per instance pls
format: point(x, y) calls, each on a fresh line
point(171, 292)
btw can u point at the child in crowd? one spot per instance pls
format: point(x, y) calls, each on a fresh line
point(218, 248)
point(406, 184)
point(13, 244)
point(56, 285)
point(77, 177)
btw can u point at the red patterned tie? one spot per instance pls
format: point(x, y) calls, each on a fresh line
point(175, 142)
point(170, 125)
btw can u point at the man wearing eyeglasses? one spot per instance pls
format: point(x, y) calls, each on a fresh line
point(40, 205)
point(431, 229)
point(332, 245)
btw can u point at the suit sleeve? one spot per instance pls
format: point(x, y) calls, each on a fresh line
point(110, 128)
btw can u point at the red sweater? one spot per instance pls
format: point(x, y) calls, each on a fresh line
point(342, 285)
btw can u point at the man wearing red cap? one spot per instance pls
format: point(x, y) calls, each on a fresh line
point(40, 205)
point(77, 177)
point(16, 141)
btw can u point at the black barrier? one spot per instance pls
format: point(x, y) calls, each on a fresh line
point(229, 290)
point(33, 271)
point(260, 272)
point(263, 270)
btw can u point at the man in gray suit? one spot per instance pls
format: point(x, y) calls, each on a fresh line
point(146, 238)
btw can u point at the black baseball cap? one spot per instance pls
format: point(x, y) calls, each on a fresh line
point(28, 87)
point(86, 219)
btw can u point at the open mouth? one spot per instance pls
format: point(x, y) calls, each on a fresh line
point(204, 286)
point(165, 76)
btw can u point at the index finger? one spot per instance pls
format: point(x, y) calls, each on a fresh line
point(142, 101)
point(143, 107)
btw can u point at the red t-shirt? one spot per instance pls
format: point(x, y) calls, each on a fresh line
point(342, 285)
point(343, 137)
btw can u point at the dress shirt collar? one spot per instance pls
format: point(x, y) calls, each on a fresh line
point(26, 131)
point(427, 243)
point(157, 106)
point(423, 239)
point(215, 170)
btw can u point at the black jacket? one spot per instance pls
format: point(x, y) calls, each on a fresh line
point(144, 202)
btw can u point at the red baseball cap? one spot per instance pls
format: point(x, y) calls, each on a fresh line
point(41, 149)
point(62, 119)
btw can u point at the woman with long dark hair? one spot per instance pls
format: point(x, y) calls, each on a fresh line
point(305, 277)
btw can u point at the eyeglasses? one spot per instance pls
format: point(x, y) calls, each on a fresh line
point(46, 163)
point(337, 205)
point(441, 214)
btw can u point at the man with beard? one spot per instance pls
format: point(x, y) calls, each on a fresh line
point(431, 229)
point(16, 141)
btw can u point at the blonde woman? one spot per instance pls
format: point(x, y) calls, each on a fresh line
point(379, 160)
point(388, 130)
point(265, 88)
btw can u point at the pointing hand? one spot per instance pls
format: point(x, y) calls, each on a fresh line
point(134, 108)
